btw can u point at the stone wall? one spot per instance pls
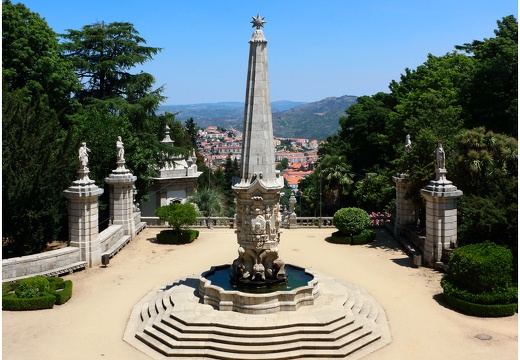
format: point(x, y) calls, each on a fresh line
point(110, 236)
point(54, 262)
point(62, 261)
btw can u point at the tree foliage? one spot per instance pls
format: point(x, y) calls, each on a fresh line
point(31, 61)
point(56, 96)
point(36, 168)
point(491, 94)
point(37, 146)
point(209, 201)
point(178, 216)
point(103, 55)
point(117, 102)
point(467, 99)
point(351, 221)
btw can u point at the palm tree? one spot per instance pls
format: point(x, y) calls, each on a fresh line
point(209, 201)
point(335, 173)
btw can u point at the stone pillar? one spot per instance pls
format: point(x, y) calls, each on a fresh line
point(441, 213)
point(404, 208)
point(83, 215)
point(293, 223)
point(121, 182)
point(259, 190)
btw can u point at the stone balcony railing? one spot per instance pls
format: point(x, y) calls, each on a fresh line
point(229, 222)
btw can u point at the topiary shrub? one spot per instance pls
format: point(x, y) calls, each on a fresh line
point(35, 293)
point(178, 216)
point(173, 237)
point(479, 280)
point(351, 221)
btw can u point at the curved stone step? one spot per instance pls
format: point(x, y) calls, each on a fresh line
point(241, 337)
point(345, 320)
point(308, 349)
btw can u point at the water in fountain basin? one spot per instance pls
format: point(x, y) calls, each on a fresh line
point(296, 277)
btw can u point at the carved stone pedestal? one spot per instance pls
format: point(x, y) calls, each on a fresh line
point(83, 215)
point(121, 183)
point(441, 217)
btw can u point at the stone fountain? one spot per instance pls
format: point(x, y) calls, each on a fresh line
point(252, 308)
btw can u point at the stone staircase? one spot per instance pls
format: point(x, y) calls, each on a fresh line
point(344, 322)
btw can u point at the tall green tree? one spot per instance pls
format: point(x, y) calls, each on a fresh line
point(105, 57)
point(491, 95)
point(487, 172)
point(36, 168)
point(209, 201)
point(336, 180)
point(38, 156)
point(363, 130)
point(191, 128)
point(31, 61)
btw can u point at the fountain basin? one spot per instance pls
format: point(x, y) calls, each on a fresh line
point(285, 297)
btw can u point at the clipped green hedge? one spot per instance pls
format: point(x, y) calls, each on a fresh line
point(61, 289)
point(479, 280)
point(13, 302)
point(351, 220)
point(505, 296)
point(35, 293)
point(469, 308)
point(484, 267)
point(365, 237)
point(177, 237)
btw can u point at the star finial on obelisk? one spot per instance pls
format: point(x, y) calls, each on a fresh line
point(258, 22)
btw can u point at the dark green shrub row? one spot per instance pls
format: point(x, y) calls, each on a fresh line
point(469, 308)
point(35, 293)
point(506, 296)
point(13, 302)
point(177, 237)
point(365, 237)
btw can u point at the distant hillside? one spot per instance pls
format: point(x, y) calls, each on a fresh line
point(315, 120)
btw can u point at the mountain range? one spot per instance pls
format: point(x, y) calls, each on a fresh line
point(313, 120)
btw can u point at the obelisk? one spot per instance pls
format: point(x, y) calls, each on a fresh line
point(259, 190)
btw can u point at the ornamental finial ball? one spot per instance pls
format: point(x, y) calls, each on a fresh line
point(258, 22)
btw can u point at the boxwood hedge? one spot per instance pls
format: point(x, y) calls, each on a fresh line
point(177, 237)
point(35, 293)
point(351, 221)
point(479, 280)
point(365, 237)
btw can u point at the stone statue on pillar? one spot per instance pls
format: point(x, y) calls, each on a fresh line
point(120, 149)
point(440, 164)
point(120, 155)
point(83, 169)
point(407, 143)
point(83, 155)
point(440, 156)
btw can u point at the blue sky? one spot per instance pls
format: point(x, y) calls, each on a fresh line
point(317, 49)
